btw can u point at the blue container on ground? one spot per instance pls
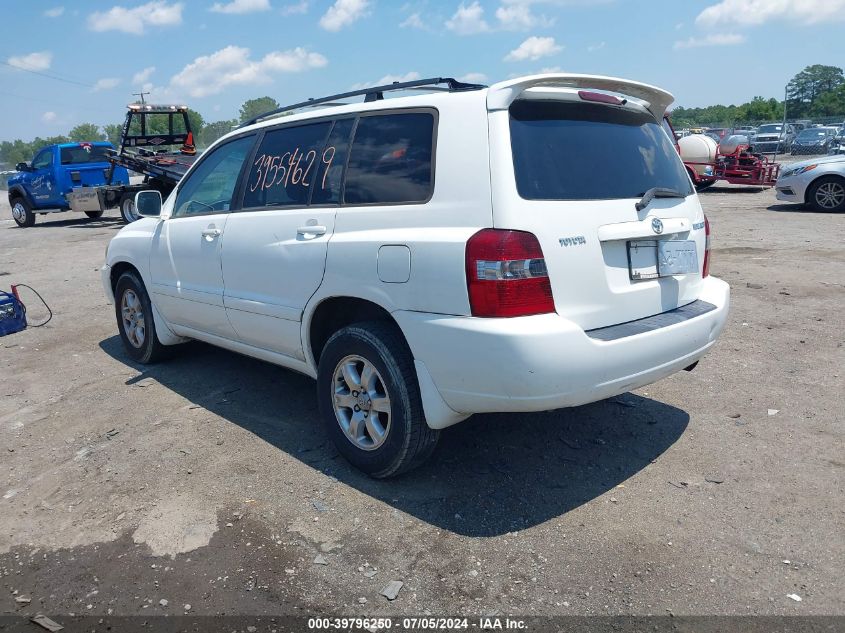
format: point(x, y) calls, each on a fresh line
point(12, 314)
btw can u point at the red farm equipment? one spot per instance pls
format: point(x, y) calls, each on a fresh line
point(732, 160)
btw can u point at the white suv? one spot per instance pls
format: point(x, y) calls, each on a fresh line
point(529, 246)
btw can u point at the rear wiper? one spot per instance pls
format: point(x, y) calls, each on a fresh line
point(657, 192)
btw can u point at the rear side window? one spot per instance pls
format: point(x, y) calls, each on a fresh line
point(390, 161)
point(84, 154)
point(284, 170)
point(587, 151)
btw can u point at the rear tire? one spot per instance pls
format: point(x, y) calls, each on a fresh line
point(380, 427)
point(94, 214)
point(827, 194)
point(135, 321)
point(127, 209)
point(22, 213)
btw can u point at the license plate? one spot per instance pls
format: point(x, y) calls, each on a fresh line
point(651, 259)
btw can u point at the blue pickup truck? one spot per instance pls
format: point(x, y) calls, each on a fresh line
point(43, 185)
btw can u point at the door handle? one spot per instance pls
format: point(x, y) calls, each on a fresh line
point(315, 230)
point(210, 233)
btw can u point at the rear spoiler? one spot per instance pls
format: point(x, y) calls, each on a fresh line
point(501, 95)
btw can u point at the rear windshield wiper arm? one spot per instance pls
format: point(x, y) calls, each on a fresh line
point(657, 192)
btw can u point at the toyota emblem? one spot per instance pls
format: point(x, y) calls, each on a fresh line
point(657, 226)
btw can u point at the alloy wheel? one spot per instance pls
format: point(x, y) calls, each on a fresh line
point(361, 402)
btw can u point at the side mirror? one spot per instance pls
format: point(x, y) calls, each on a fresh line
point(148, 203)
point(22, 167)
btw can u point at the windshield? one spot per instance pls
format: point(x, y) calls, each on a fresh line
point(580, 151)
point(769, 129)
point(84, 154)
point(811, 134)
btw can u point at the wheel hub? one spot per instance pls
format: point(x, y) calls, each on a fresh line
point(361, 403)
point(18, 212)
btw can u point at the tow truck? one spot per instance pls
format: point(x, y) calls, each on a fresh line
point(156, 142)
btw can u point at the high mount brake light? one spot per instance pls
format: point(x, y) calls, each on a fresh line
point(507, 275)
point(600, 97)
point(706, 268)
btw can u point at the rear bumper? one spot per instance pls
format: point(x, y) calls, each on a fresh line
point(547, 362)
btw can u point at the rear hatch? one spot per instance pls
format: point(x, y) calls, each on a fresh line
point(570, 167)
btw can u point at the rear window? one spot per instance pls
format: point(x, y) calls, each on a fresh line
point(586, 151)
point(390, 159)
point(84, 154)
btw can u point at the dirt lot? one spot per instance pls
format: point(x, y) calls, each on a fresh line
point(206, 481)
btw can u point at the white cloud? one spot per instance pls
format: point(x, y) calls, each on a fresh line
point(143, 76)
point(679, 26)
point(753, 12)
point(592, 48)
point(296, 8)
point(211, 74)
point(534, 48)
point(714, 39)
point(33, 61)
point(107, 83)
point(413, 21)
point(473, 78)
point(468, 20)
point(135, 20)
point(49, 117)
point(343, 13)
point(388, 79)
point(54, 12)
point(516, 15)
point(241, 6)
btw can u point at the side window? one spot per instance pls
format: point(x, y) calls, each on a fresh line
point(43, 160)
point(210, 187)
point(283, 172)
point(390, 161)
point(332, 162)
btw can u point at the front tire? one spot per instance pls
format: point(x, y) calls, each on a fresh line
point(370, 400)
point(22, 213)
point(94, 214)
point(127, 209)
point(827, 194)
point(135, 322)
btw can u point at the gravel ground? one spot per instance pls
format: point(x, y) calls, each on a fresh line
point(206, 481)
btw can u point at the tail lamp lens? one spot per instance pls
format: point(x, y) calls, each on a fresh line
point(507, 275)
point(706, 270)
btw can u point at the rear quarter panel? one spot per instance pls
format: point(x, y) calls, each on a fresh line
point(435, 232)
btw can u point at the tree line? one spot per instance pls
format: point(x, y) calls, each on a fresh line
point(816, 92)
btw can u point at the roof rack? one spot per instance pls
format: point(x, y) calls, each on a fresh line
point(375, 93)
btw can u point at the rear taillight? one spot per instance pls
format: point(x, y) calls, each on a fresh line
point(506, 275)
point(706, 270)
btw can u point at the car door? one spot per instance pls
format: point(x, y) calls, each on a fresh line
point(186, 280)
point(274, 250)
point(44, 189)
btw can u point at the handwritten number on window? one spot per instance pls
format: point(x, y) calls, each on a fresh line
point(289, 168)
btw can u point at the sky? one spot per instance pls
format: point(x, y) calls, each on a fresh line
point(64, 64)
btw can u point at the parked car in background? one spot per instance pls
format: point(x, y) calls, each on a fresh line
point(774, 138)
point(819, 182)
point(814, 140)
point(43, 185)
point(431, 256)
point(838, 144)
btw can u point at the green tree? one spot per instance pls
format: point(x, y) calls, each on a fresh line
point(113, 132)
point(213, 131)
point(830, 103)
point(86, 132)
point(197, 123)
point(255, 107)
point(805, 87)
